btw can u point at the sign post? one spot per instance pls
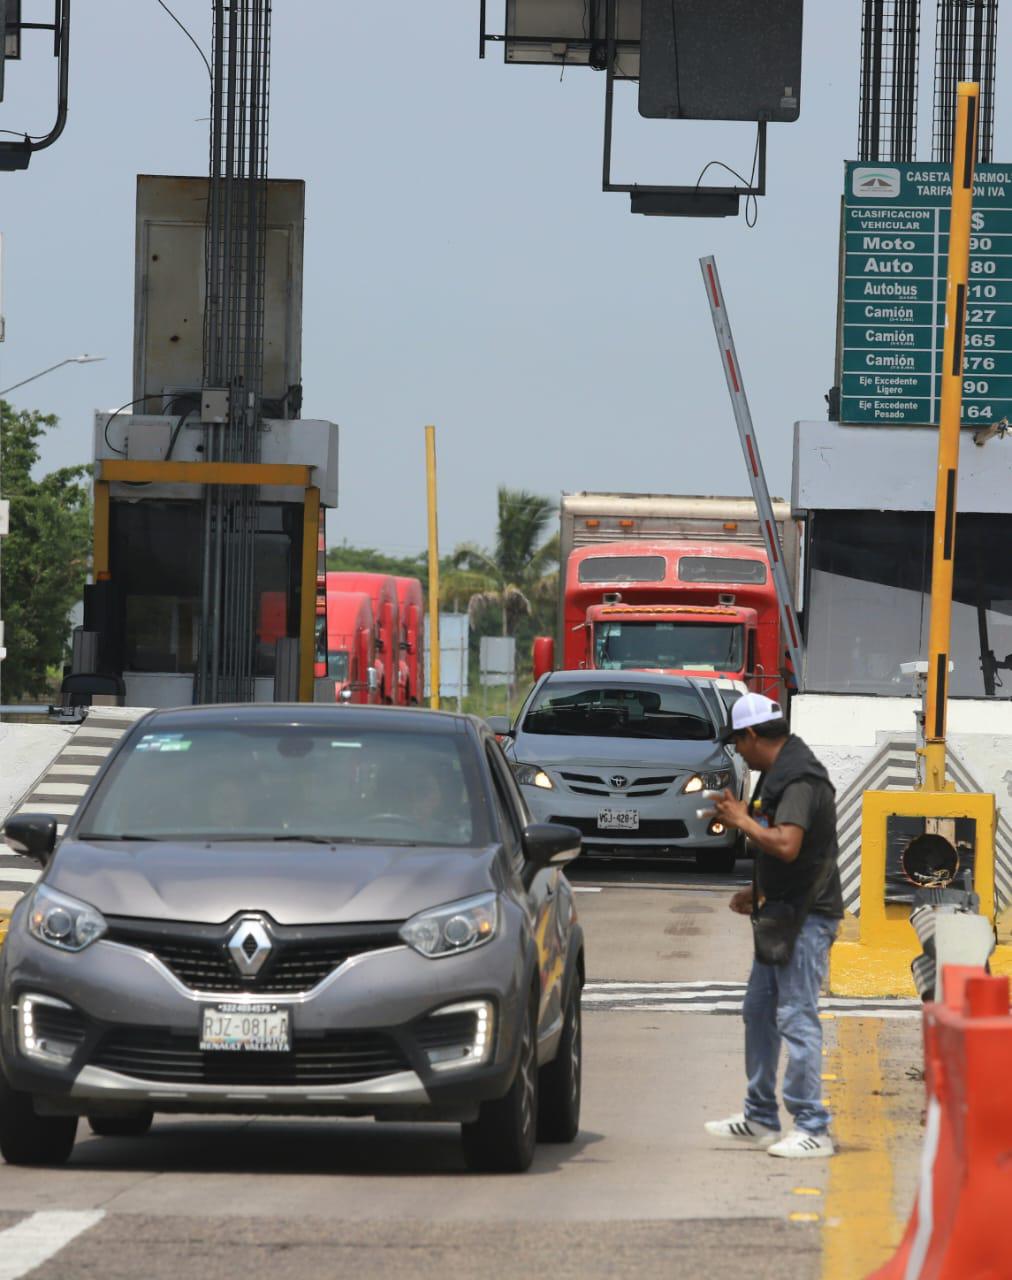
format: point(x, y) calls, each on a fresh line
point(944, 546)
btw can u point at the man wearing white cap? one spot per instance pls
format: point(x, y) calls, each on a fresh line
point(796, 904)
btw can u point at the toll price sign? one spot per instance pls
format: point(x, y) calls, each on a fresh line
point(892, 295)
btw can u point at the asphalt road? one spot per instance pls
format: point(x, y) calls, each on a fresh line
point(643, 1191)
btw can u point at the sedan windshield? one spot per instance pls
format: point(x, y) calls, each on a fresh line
point(291, 783)
point(674, 646)
point(620, 711)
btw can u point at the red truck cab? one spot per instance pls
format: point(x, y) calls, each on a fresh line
point(381, 588)
point(411, 605)
point(705, 609)
point(350, 649)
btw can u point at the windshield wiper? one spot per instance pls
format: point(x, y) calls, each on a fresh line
point(99, 835)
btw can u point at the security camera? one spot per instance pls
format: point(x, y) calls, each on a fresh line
point(999, 429)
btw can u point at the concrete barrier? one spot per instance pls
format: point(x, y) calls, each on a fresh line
point(958, 1229)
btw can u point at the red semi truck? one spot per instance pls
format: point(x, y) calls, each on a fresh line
point(351, 674)
point(382, 591)
point(411, 604)
point(673, 584)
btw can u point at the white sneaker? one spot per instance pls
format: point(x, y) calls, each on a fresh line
point(799, 1145)
point(742, 1130)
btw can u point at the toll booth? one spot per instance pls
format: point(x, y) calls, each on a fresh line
point(153, 470)
point(865, 495)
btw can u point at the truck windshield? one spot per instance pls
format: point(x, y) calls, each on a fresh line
point(672, 646)
point(620, 711)
point(337, 664)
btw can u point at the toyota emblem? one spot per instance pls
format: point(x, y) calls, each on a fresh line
point(619, 780)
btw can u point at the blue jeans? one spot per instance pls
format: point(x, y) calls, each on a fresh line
point(782, 1004)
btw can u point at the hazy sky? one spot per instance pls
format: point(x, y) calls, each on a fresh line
point(462, 265)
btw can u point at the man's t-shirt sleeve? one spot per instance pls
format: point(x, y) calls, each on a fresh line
point(797, 805)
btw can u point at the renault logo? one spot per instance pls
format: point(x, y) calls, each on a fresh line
point(249, 947)
point(619, 780)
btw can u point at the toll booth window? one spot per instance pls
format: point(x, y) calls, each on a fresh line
point(720, 569)
point(156, 562)
point(622, 569)
point(869, 602)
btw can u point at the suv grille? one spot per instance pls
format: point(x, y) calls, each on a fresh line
point(334, 1058)
point(300, 957)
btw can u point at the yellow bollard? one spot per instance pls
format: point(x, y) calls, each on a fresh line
point(430, 475)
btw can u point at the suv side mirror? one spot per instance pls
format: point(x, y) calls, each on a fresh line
point(500, 726)
point(550, 844)
point(32, 834)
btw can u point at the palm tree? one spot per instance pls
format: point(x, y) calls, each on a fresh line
point(518, 574)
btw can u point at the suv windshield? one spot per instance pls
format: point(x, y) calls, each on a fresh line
point(675, 646)
point(620, 711)
point(278, 782)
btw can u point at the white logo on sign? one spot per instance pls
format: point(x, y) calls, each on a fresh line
point(876, 184)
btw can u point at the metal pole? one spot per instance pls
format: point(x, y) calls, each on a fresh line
point(430, 476)
point(753, 463)
point(964, 150)
point(307, 611)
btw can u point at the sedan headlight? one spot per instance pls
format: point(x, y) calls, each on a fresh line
point(459, 926)
point(63, 922)
point(715, 781)
point(531, 775)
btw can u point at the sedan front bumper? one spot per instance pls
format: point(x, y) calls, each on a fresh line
point(668, 823)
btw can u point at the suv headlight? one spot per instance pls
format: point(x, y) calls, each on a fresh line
point(459, 926)
point(63, 922)
point(532, 775)
point(715, 781)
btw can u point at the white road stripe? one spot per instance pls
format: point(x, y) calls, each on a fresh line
point(618, 985)
point(19, 875)
point(35, 1240)
point(57, 788)
point(73, 770)
point(583, 888)
point(55, 809)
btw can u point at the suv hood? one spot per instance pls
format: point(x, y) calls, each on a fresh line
point(292, 883)
point(562, 750)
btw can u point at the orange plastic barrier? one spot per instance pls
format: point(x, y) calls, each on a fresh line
point(961, 1225)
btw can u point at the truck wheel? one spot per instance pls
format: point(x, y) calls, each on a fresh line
point(503, 1138)
point(27, 1138)
point(560, 1081)
point(132, 1126)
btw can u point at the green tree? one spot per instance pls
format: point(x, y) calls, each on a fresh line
point(349, 559)
point(46, 557)
point(519, 578)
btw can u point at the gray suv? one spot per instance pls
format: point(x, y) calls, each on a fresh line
point(295, 910)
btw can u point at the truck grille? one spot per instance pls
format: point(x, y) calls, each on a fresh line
point(335, 1058)
point(300, 957)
